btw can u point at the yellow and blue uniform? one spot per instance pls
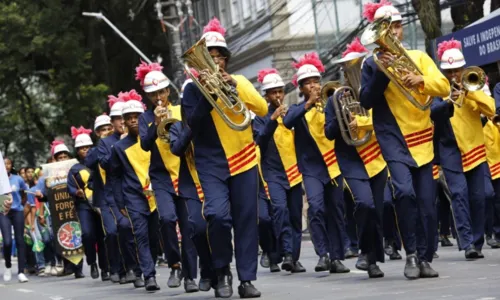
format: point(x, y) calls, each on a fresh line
point(492, 180)
point(227, 168)
point(463, 160)
point(126, 240)
point(103, 199)
point(324, 185)
point(365, 173)
point(79, 177)
point(404, 134)
point(164, 174)
point(129, 166)
point(281, 173)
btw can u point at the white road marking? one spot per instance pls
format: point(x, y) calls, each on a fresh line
point(24, 291)
point(358, 272)
point(444, 277)
point(56, 297)
point(446, 296)
point(486, 298)
point(482, 278)
point(492, 265)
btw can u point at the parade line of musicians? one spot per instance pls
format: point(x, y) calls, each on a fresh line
point(213, 180)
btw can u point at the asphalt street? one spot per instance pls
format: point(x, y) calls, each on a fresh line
point(459, 279)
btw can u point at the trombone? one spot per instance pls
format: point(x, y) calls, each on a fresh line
point(379, 33)
point(472, 79)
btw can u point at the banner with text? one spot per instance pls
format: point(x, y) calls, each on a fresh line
point(65, 223)
point(480, 43)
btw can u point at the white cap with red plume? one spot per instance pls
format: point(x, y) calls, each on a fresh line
point(269, 79)
point(132, 102)
point(382, 9)
point(57, 147)
point(115, 105)
point(151, 77)
point(102, 120)
point(81, 136)
point(450, 55)
point(214, 33)
point(309, 65)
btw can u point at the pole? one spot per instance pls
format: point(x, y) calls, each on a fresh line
point(336, 18)
point(316, 35)
point(115, 29)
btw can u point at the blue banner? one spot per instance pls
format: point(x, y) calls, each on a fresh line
point(480, 43)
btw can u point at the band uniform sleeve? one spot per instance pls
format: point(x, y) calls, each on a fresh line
point(180, 137)
point(373, 84)
point(435, 84)
point(480, 102)
point(147, 133)
point(496, 94)
point(332, 128)
point(115, 179)
point(263, 131)
point(294, 114)
point(104, 156)
point(72, 188)
point(441, 110)
point(92, 158)
point(196, 107)
point(251, 96)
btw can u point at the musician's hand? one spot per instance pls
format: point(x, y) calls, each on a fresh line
point(278, 112)
point(159, 112)
point(202, 77)
point(124, 212)
point(228, 79)
point(38, 194)
point(386, 59)
point(313, 98)
point(411, 80)
point(353, 126)
point(80, 193)
point(455, 94)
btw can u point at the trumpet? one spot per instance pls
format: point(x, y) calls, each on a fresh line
point(166, 121)
point(379, 33)
point(472, 79)
point(214, 88)
point(285, 108)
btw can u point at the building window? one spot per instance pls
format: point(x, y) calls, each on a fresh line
point(260, 4)
point(235, 13)
point(247, 9)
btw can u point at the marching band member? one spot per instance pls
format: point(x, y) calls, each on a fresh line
point(492, 143)
point(129, 172)
point(462, 152)
point(104, 128)
point(80, 188)
point(317, 162)
point(164, 174)
point(365, 173)
point(280, 170)
point(227, 167)
point(404, 134)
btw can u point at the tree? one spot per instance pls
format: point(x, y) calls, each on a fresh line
point(467, 12)
point(429, 13)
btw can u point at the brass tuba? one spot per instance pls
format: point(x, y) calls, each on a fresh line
point(472, 79)
point(379, 32)
point(162, 129)
point(346, 101)
point(214, 86)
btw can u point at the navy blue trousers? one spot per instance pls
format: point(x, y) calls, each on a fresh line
point(198, 234)
point(468, 204)
point(92, 235)
point(267, 238)
point(287, 218)
point(415, 205)
point(351, 228)
point(391, 232)
point(111, 240)
point(126, 241)
point(168, 209)
point(189, 254)
point(492, 191)
point(145, 229)
point(233, 203)
point(326, 216)
point(14, 219)
point(368, 212)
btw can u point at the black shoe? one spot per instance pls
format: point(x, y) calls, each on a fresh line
point(105, 276)
point(247, 290)
point(274, 268)
point(435, 255)
point(388, 249)
point(224, 287)
point(494, 244)
point(362, 263)
point(130, 276)
point(374, 271)
point(115, 278)
point(264, 260)
point(79, 274)
point(298, 267)
point(395, 255)
point(337, 267)
point(350, 254)
point(412, 270)
point(175, 278)
point(445, 241)
point(94, 272)
point(123, 279)
point(151, 285)
point(480, 254)
point(190, 285)
point(138, 282)
point(426, 271)
point(287, 264)
point(471, 252)
point(205, 284)
point(323, 264)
